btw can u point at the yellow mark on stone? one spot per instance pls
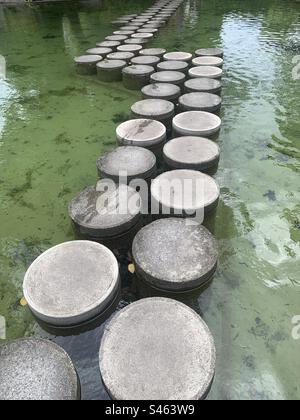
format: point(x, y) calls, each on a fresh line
point(23, 302)
point(131, 268)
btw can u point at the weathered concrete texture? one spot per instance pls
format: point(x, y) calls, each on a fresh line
point(173, 77)
point(134, 41)
point(110, 70)
point(206, 52)
point(136, 162)
point(166, 91)
point(203, 85)
point(155, 109)
point(103, 52)
point(128, 33)
point(181, 66)
point(71, 283)
point(178, 56)
point(36, 370)
point(157, 349)
point(123, 56)
point(153, 31)
point(109, 44)
point(206, 71)
point(141, 132)
point(145, 35)
point(86, 64)
point(137, 76)
point(172, 255)
point(196, 123)
point(134, 48)
point(184, 192)
point(119, 38)
point(197, 153)
point(208, 61)
point(129, 28)
point(158, 52)
point(200, 101)
point(146, 60)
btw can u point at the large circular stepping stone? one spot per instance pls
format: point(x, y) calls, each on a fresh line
point(86, 64)
point(137, 76)
point(173, 77)
point(128, 33)
point(142, 133)
point(147, 30)
point(155, 109)
point(208, 61)
point(166, 91)
point(184, 193)
point(203, 85)
point(196, 123)
point(181, 66)
point(105, 215)
point(145, 35)
point(103, 52)
point(135, 162)
point(146, 60)
point(171, 255)
point(109, 44)
point(197, 153)
point(37, 370)
point(119, 38)
point(136, 41)
point(110, 70)
point(129, 28)
point(158, 52)
point(178, 56)
point(205, 52)
point(73, 282)
point(206, 71)
point(134, 48)
point(157, 349)
point(200, 101)
point(123, 56)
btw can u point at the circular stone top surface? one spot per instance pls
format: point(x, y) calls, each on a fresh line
point(134, 161)
point(147, 60)
point(71, 282)
point(178, 56)
point(112, 64)
point(174, 255)
point(190, 152)
point(171, 351)
point(123, 56)
point(145, 35)
point(191, 191)
point(206, 71)
point(138, 70)
point(124, 33)
point(135, 41)
point(200, 101)
point(88, 59)
point(129, 28)
point(153, 51)
point(203, 85)
point(141, 132)
point(109, 44)
point(198, 123)
point(217, 52)
point(99, 51)
point(153, 108)
point(208, 61)
point(129, 48)
point(161, 90)
point(173, 66)
point(36, 369)
point(119, 38)
point(168, 77)
point(107, 213)
point(147, 30)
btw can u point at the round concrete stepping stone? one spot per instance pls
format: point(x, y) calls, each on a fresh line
point(135, 162)
point(120, 22)
point(146, 60)
point(137, 23)
point(173, 77)
point(200, 101)
point(158, 52)
point(153, 25)
point(103, 52)
point(196, 153)
point(37, 370)
point(124, 56)
point(206, 52)
point(155, 109)
point(110, 70)
point(172, 255)
point(203, 85)
point(109, 44)
point(134, 48)
point(137, 76)
point(149, 30)
point(181, 66)
point(206, 71)
point(129, 28)
point(119, 38)
point(171, 351)
point(142, 133)
point(184, 192)
point(134, 41)
point(145, 35)
point(166, 91)
point(86, 64)
point(73, 282)
point(208, 61)
point(196, 123)
point(178, 56)
point(128, 33)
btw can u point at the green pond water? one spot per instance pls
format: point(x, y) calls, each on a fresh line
point(54, 124)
